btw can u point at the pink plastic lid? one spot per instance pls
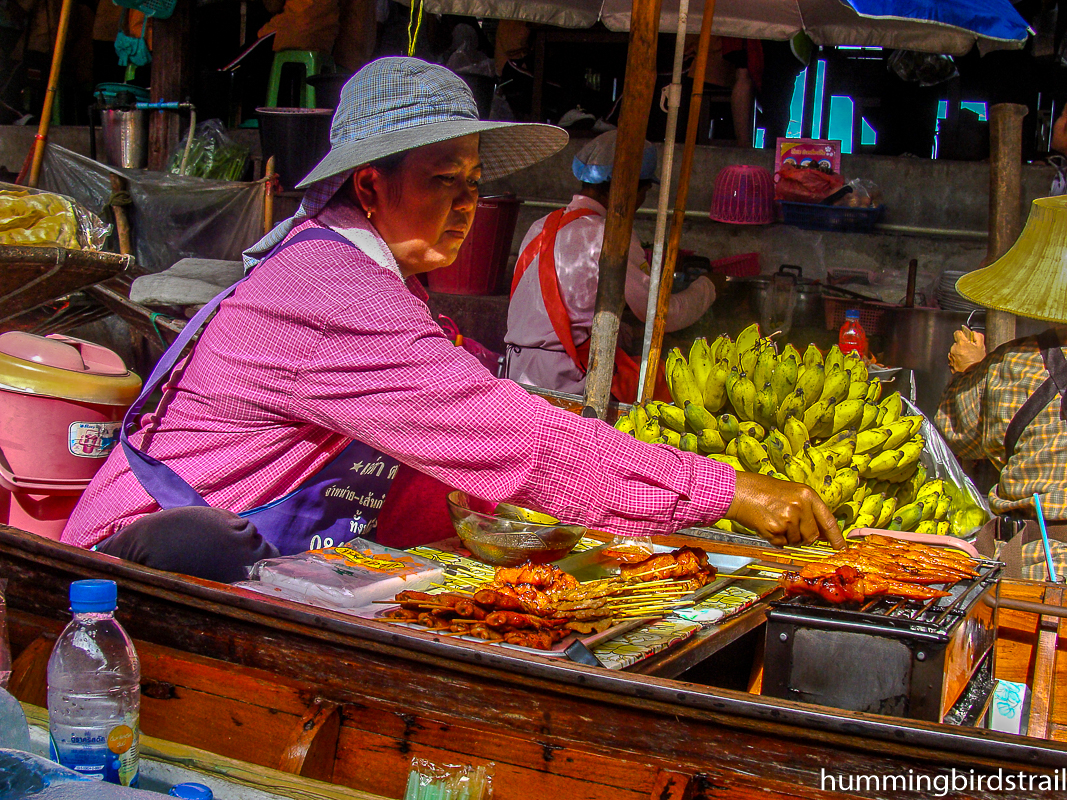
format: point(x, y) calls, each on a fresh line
point(62, 352)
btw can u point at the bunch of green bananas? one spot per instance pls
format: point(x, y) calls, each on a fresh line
point(814, 419)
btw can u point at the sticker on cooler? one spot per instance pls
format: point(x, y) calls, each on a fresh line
point(92, 439)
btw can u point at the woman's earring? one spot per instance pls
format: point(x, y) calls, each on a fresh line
point(368, 213)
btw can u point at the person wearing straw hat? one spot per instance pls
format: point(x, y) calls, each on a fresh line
point(1010, 406)
point(323, 372)
point(553, 292)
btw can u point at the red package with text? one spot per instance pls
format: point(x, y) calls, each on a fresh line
point(807, 170)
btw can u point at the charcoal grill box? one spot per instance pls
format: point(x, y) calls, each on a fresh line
point(930, 661)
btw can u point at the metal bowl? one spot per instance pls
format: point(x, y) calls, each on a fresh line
point(507, 542)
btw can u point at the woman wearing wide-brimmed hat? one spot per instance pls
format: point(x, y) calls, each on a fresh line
point(323, 372)
point(1010, 406)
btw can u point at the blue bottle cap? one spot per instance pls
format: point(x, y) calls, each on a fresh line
point(191, 791)
point(89, 597)
point(852, 314)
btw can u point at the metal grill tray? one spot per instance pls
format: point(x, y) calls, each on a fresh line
point(932, 620)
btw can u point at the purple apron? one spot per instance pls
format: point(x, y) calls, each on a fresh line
point(338, 503)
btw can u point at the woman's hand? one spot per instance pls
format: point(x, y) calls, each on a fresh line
point(968, 350)
point(782, 512)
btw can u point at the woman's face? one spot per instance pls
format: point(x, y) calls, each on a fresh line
point(424, 209)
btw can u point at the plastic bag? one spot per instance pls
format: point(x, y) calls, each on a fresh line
point(344, 577)
point(492, 361)
point(38, 218)
point(806, 184)
point(429, 781)
point(212, 154)
point(864, 194)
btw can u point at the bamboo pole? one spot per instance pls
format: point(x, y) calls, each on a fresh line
point(651, 355)
point(122, 222)
point(1005, 190)
point(50, 93)
point(618, 228)
point(674, 99)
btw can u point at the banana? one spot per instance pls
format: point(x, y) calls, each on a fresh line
point(638, 416)
point(857, 390)
point(765, 364)
point(673, 438)
point(796, 470)
point(882, 464)
point(700, 361)
point(751, 452)
point(858, 368)
point(649, 431)
point(791, 352)
point(785, 377)
point(729, 426)
point(835, 383)
point(811, 380)
point(916, 422)
point(870, 415)
point(766, 467)
point(847, 415)
point(872, 441)
point(730, 461)
point(777, 449)
point(907, 517)
point(838, 438)
point(861, 521)
point(625, 424)
point(778, 476)
point(753, 429)
point(715, 388)
point(731, 448)
point(899, 432)
point(683, 386)
point(670, 416)
point(892, 406)
point(699, 418)
point(796, 433)
point(927, 526)
point(728, 353)
point(901, 475)
point(668, 367)
point(688, 443)
point(943, 528)
point(872, 504)
point(747, 339)
point(715, 346)
point(710, 441)
point(834, 357)
point(820, 465)
point(936, 486)
point(830, 493)
point(912, 449)
point(930, 506)
point(813, 355)
point(746, 361)
point(885, 515)
point(792, 407)
point(846, 514)
point(766, 406)
point(841, 455)
point(820, 418)
point(874, 389)
point(742, 396)
point(848, 478)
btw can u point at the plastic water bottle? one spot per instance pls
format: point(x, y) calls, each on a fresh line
point(94, 692)
point(852, 338)
point(14, 732)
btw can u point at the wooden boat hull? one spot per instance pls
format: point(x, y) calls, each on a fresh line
point(352, 701)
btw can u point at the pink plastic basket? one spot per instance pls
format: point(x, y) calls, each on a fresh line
point(743, 195)
point(745, 265)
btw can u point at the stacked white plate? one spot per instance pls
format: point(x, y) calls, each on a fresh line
point(947, 296)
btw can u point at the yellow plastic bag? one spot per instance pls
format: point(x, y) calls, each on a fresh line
point(30, 217)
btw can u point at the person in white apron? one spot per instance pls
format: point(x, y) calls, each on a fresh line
point(553, 291)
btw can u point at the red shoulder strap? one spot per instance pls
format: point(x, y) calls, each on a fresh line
point(543, 246)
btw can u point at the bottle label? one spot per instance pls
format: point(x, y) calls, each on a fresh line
point(102, 753)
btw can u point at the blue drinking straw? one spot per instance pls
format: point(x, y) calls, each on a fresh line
point(1044, 538)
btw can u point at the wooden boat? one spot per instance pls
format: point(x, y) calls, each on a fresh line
point(352, 701)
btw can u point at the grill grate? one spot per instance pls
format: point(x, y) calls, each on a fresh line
point(935, 616)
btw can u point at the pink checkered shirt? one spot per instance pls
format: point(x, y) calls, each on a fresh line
point(322, 345)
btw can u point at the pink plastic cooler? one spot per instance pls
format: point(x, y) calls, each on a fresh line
point(61, 403)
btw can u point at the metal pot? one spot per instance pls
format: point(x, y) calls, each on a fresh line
point(785, 299)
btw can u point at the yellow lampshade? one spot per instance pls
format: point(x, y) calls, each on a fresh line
point(1031, 278)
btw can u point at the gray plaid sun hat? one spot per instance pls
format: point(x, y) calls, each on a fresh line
point(398, 104)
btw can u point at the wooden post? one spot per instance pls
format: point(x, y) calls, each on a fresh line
point(666, 278)
point(1005, 215)
point(357, 36)
point(50, 93)
point(268, 196)
point(122, 222)
point(629, 147)
point(171, 79)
